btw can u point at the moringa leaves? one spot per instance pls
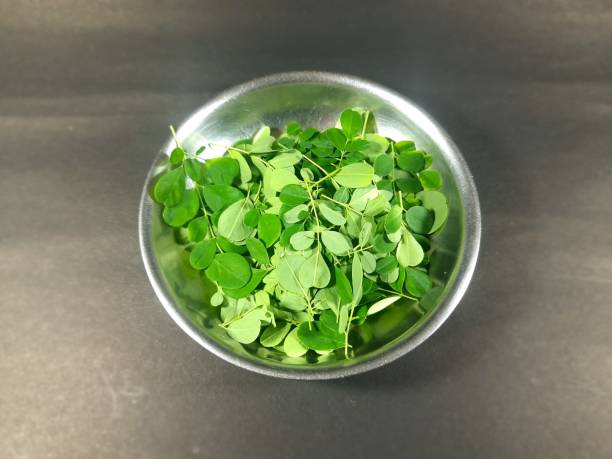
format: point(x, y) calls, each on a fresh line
point(351, 122)
point(229, 270)
point(231, 222)
point(269, 228)
point(308, 234)
point(218, 197)
point(335, 242)
point(356, 175)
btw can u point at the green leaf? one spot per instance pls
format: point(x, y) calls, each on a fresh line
point(177, 156)
point(296, 214)
point(269, 228)
point(386, 264)
point(435, 201)
point(184, 211)
point(411, 161)
point(314, 272)
point(218, 197)
point(294, 128)
point(342, 195)
point(244, 291)
point(170, 187)
point(307, 134)
point(398, 285)
point(228, 246)
point(326, 298)
point(381, 245)
point(194, 170)
point(417, 282)
point(419, 219)
point(197, 229)
point(251, 218)
point(285, 238)
point(383, 165)
point(222, 171)
point(358, 146)
point(217, 299)
point(203, 254)
point(262, 140)
point(375, 206)
point(266, 173)
point(361, 316)
point(354, 157)
point(292, 345)
point(273, 335)
point(302, 240)
point(335, 242)
point(245, 170)
point(356, 175)
point(431, 180)
point(353, 224)
point(280, 178)
point(331, 215)
point(307, 173)
point(367, 228)
point(246, 329)
point(293, 195)
point(409, 184)
point(234, 309)
point(229, 270)
point(258, 251)
point(286, 159)
point(357, 279)
point(391, 276)
point(351, 122)
point(368, 261)
point(409, 251)
point(336, 137)
point(405, 145)
point(343, 317)
point(292, 301)
point(382, 304)
point(343, 286)
point(362, 196)
point(393, 220)
point(288, 272)
point(377, 145)
point(321, 335)
point(231, 222)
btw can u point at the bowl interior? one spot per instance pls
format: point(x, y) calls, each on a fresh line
point(313, 100)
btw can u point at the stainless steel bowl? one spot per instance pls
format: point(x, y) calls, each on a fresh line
point(314, 99)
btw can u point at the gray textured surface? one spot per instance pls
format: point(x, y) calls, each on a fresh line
point(91, 366)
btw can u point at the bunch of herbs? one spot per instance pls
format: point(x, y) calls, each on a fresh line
point(308, 233)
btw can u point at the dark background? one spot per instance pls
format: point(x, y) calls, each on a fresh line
point(90, 364)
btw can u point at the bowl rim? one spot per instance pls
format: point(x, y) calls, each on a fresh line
point(467, 192)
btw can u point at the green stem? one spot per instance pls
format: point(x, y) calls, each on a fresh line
point(358, 249)
point(365, 123)
point(227, 147)
point(238, 317)
point(398, 294)
point(175, 138)
point(314, 163)
point(328, 176)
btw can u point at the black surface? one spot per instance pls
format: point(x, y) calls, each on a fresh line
point(91, 365)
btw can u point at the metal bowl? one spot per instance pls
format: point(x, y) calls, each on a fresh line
point(315, 99)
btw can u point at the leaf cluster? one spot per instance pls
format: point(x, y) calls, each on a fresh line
point(307, 234)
